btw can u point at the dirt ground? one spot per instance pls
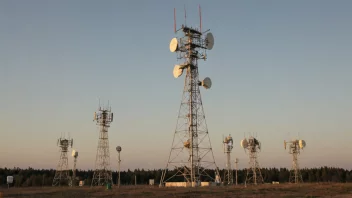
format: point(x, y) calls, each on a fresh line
point(340, 190)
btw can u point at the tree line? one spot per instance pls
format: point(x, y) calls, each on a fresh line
point(44, 177)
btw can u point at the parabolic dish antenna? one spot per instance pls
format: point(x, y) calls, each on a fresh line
point(302, 144)
point(174, 45)
point(177, 71)
point(206, 83)
point(244, 143)
point(209, 41)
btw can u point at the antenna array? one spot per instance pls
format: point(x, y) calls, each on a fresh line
point(102, 174)
point(191, 152)
point(62, 175)
point(294, 148)
point(254, 175)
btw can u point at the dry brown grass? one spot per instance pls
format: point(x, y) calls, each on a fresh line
point(266, 190)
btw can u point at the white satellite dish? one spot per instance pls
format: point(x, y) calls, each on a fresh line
point(206, 83)
point(209, 41)
point(174, 45)
point(74, 153)
point(244, 143)
point(177, 71)
point(302, 144)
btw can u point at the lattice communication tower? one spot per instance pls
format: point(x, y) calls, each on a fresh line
point(102, 174)
point(294, 148)
point(191, 151)
point(62, 174)
point(254, 175)
point(228, 146)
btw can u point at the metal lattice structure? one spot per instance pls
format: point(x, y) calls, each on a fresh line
point(228, 146)
point(191, 151)
point(254, 175)
point(294, 148)
point(62, 174)
point(102, 174)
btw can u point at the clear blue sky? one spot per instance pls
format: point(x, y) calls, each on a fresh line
point(278, 68)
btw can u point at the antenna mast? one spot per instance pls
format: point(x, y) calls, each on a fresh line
point(254, 175)
point(228, 146)
point(294, 148)
point(62, 175)
point(75, 156)
point(236, 162)
point(191, 151)
point(102, 174)
point(118, 149)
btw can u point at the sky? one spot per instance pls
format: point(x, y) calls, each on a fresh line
point(280, 70)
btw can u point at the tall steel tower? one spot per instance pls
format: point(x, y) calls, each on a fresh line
point(254, 175)
point(62, 174)
point(102, 174)
point(295, 146)
point(191, 151)
point(228, 146)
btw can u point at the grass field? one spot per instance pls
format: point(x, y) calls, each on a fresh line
point(266, 190)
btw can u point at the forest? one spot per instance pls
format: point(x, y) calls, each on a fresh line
point(41, 177)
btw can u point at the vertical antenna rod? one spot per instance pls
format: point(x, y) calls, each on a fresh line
point(175, 20)
point(185, 15)
point(200, 18)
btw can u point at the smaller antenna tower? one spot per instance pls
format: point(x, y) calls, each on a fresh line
point(294, 148)
point(254, 175)
point(62, 171)
point(102, 174)
point(75, 156)
point(118, 149)
point(228, 146)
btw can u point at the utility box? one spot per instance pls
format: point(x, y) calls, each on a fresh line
point(151, 182)
point(9, 179)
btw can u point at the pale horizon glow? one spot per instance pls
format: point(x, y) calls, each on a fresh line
point(279, 70)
